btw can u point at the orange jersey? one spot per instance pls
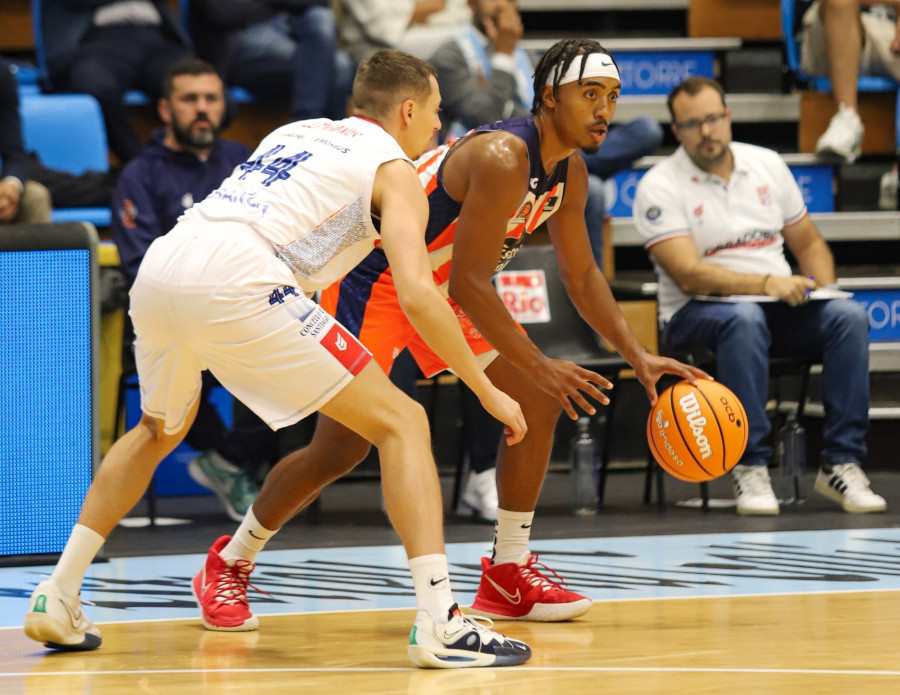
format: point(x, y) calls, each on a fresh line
point(365, 301)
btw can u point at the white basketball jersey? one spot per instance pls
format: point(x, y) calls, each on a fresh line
point(307, 190)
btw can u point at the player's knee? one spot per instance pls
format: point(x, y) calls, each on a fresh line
point(541, 413)
point(408, 420)
point(156, 433)
point(349, 453)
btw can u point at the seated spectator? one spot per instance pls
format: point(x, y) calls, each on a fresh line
point(277, 50)
point(414, 26)
point(105, 48)
point(715, 218)
point(22, 201)
point(843, 39)
point(183, 163)
point(485, 76)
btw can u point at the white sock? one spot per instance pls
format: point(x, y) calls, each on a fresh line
point(250, 538)
point(431, 579)
point(82, 547)
point(511, 535)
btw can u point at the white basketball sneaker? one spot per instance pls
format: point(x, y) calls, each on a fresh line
point(753, 491)
point(58, 621)
point(462, 642)
point(847, 485)
point(844, 135)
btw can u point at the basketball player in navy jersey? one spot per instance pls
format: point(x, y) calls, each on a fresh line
point(487, 193)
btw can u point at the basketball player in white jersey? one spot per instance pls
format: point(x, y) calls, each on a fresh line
point(226, 290)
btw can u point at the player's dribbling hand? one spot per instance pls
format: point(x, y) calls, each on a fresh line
point(650, 368)
point(507, 411)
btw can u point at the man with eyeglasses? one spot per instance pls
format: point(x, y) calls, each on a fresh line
point(715, 218)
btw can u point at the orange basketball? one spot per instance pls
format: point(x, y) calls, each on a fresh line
point(697, 433)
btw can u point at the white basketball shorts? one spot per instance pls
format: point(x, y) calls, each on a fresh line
point(214, 296)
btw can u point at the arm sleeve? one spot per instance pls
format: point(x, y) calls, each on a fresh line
point(135, 223)
point(466, 96)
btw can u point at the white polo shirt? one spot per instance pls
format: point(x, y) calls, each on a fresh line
point(735, 224)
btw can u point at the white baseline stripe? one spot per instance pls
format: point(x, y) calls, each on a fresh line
point(517, 669)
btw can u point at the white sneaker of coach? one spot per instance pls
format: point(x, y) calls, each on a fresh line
point(753, 491)
point(847, 485)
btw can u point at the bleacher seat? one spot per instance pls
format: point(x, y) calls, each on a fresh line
point(865, 83)
point(67, 133)
point(26, 77)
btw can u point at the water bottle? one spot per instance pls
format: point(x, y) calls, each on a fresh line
point(793, 457)
point(584, 469)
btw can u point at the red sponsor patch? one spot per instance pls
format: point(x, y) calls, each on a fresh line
point(346, 349)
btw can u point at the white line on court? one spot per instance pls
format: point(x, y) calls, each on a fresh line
point(516, 669)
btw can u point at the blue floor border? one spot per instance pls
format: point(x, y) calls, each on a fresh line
point(603, 569)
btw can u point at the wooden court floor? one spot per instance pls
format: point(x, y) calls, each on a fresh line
point(823, 643)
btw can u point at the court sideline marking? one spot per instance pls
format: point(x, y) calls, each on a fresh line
point(517, 669)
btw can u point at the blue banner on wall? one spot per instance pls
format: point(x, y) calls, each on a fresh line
point(883, 309)
point(658, 72)
point(815, 181)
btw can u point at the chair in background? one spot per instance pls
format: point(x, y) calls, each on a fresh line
point(67, 133)
point(780, 369)
point(565, 335)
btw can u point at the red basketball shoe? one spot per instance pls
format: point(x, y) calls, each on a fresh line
point(221, 592)
point(518, 591)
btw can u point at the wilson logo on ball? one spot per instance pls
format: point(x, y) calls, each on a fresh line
point(697, 433)
point(691, 409)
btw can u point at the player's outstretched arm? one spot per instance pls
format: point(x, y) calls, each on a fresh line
point(401, 201)
point(591, 294)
